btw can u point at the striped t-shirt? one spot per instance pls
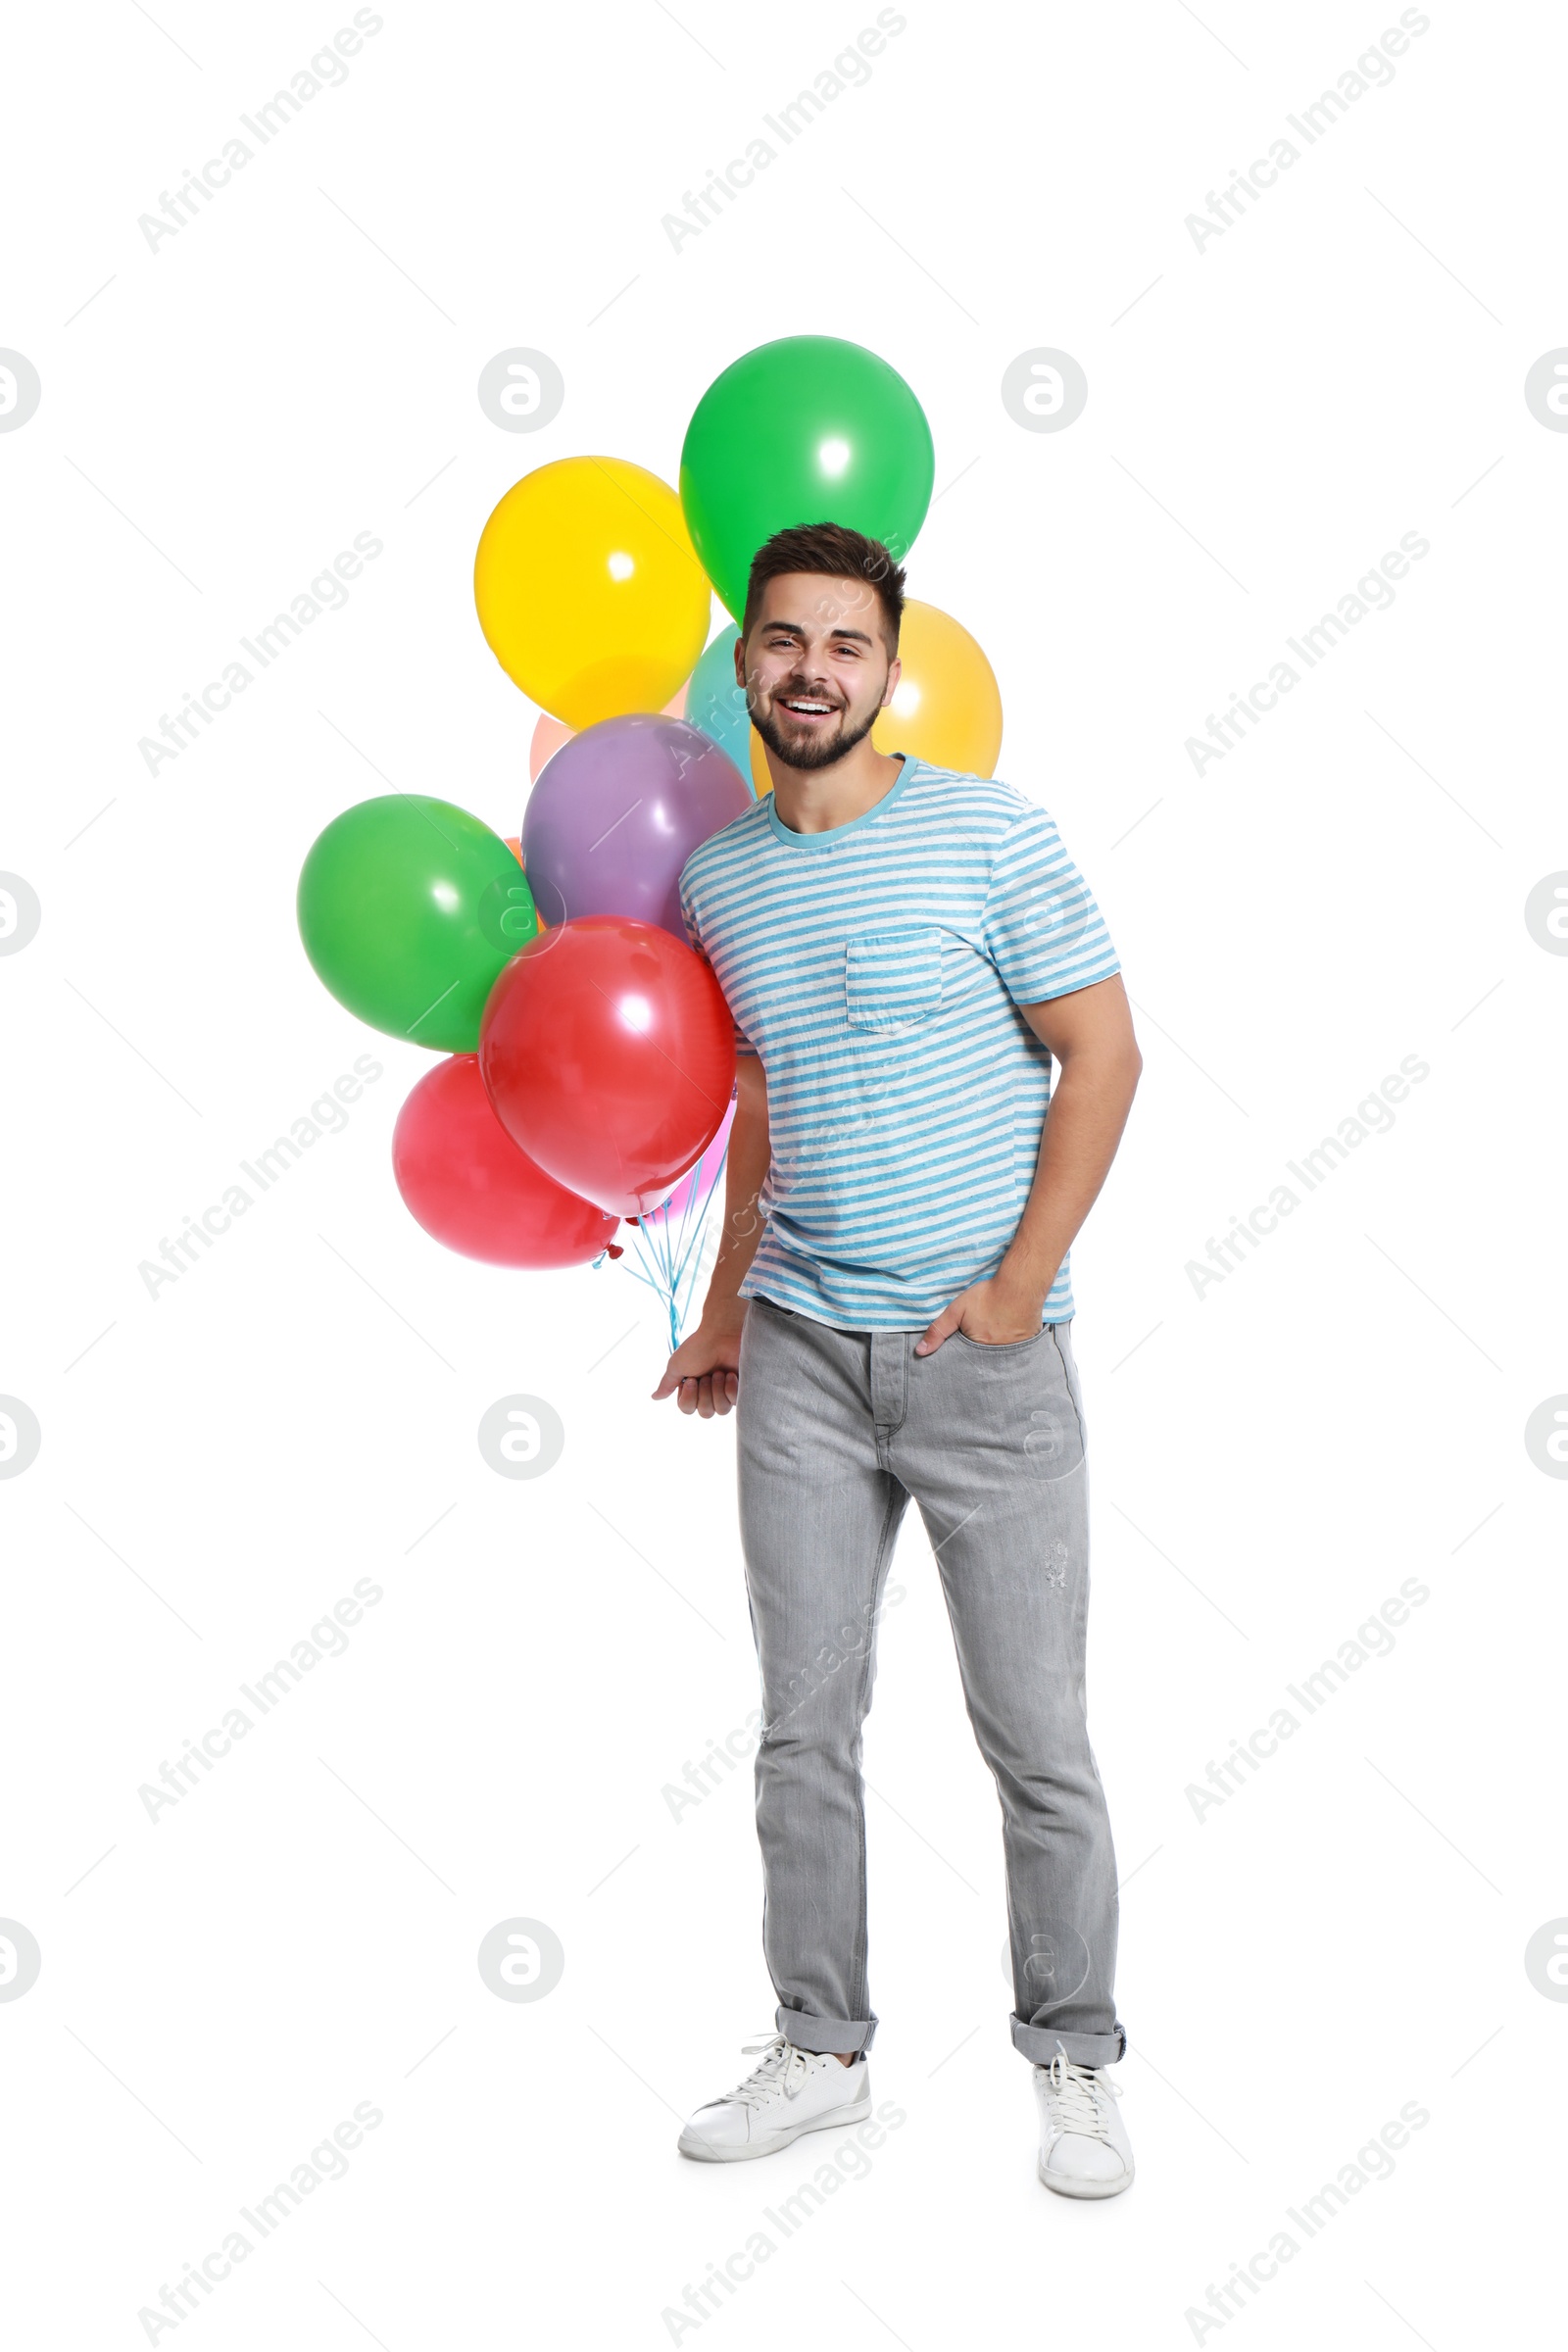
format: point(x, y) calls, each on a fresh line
point(877, 969)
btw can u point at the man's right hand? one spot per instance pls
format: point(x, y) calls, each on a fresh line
point(705, 1371)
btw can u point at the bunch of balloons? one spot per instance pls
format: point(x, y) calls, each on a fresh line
point(589, 1056)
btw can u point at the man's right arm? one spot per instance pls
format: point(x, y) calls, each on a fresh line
point(704, 1370)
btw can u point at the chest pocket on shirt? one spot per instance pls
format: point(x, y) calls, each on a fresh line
point(893, 978)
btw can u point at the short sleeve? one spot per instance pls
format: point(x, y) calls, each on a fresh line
point(1041, 926)
point(688, 916)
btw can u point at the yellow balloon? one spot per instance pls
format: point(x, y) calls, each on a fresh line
point(589, 591)
point(947, 706)
point(762, 776)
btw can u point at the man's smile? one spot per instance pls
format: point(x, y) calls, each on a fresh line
point(807, 707)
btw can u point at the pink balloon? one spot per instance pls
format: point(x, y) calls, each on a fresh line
point(696, 1183)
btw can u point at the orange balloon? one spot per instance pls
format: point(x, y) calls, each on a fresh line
point(548, 737)
point(947, 706)
point(551, 733)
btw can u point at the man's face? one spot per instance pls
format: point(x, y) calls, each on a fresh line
point(815, 667)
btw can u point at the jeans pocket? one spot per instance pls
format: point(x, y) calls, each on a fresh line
point(1057, 1441)
point(1002, 1346)
point(1020, 1392)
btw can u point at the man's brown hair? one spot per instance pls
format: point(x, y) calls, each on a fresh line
point(834, 549)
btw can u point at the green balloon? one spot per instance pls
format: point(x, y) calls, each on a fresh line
point(808, 429)
point(408, 907)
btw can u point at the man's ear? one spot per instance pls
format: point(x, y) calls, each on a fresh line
point(895, 673)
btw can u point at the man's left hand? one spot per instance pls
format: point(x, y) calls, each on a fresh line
point(994, 1314)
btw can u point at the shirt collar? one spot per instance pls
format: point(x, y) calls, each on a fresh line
point(835, 833)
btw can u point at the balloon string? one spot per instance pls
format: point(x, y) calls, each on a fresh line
point(702, 1213)
point(670, 1258)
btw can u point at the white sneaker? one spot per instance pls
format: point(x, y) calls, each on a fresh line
point(1084, 2148)
point(790, 2092)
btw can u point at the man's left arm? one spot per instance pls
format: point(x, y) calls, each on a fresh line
point(1090, 1033)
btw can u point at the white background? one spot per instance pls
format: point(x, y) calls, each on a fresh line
point(1266, 416)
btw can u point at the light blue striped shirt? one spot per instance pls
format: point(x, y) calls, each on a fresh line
point(877, 969)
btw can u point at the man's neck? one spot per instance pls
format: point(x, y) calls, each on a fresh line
point(814, 800)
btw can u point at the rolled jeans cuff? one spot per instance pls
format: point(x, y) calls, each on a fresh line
point(842, 2036)
point(1039, 2045)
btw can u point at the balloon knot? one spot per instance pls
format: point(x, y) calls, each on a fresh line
point(613, 1250)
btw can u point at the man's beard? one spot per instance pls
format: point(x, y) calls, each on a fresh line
point(818, 749)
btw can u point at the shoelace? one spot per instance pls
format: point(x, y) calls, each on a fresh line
point(776, 2067)
point(1078, 2091)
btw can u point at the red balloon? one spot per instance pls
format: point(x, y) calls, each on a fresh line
point(608, 1052)
point(465, 1181)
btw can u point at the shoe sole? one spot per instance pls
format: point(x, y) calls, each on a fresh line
point(1065, 2188)
point(706, 2152)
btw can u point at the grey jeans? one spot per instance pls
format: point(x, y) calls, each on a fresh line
point(835, 1430)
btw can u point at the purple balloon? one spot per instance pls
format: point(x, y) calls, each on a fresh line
point(616, 812)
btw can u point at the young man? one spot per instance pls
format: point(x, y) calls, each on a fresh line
point(904, 949)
